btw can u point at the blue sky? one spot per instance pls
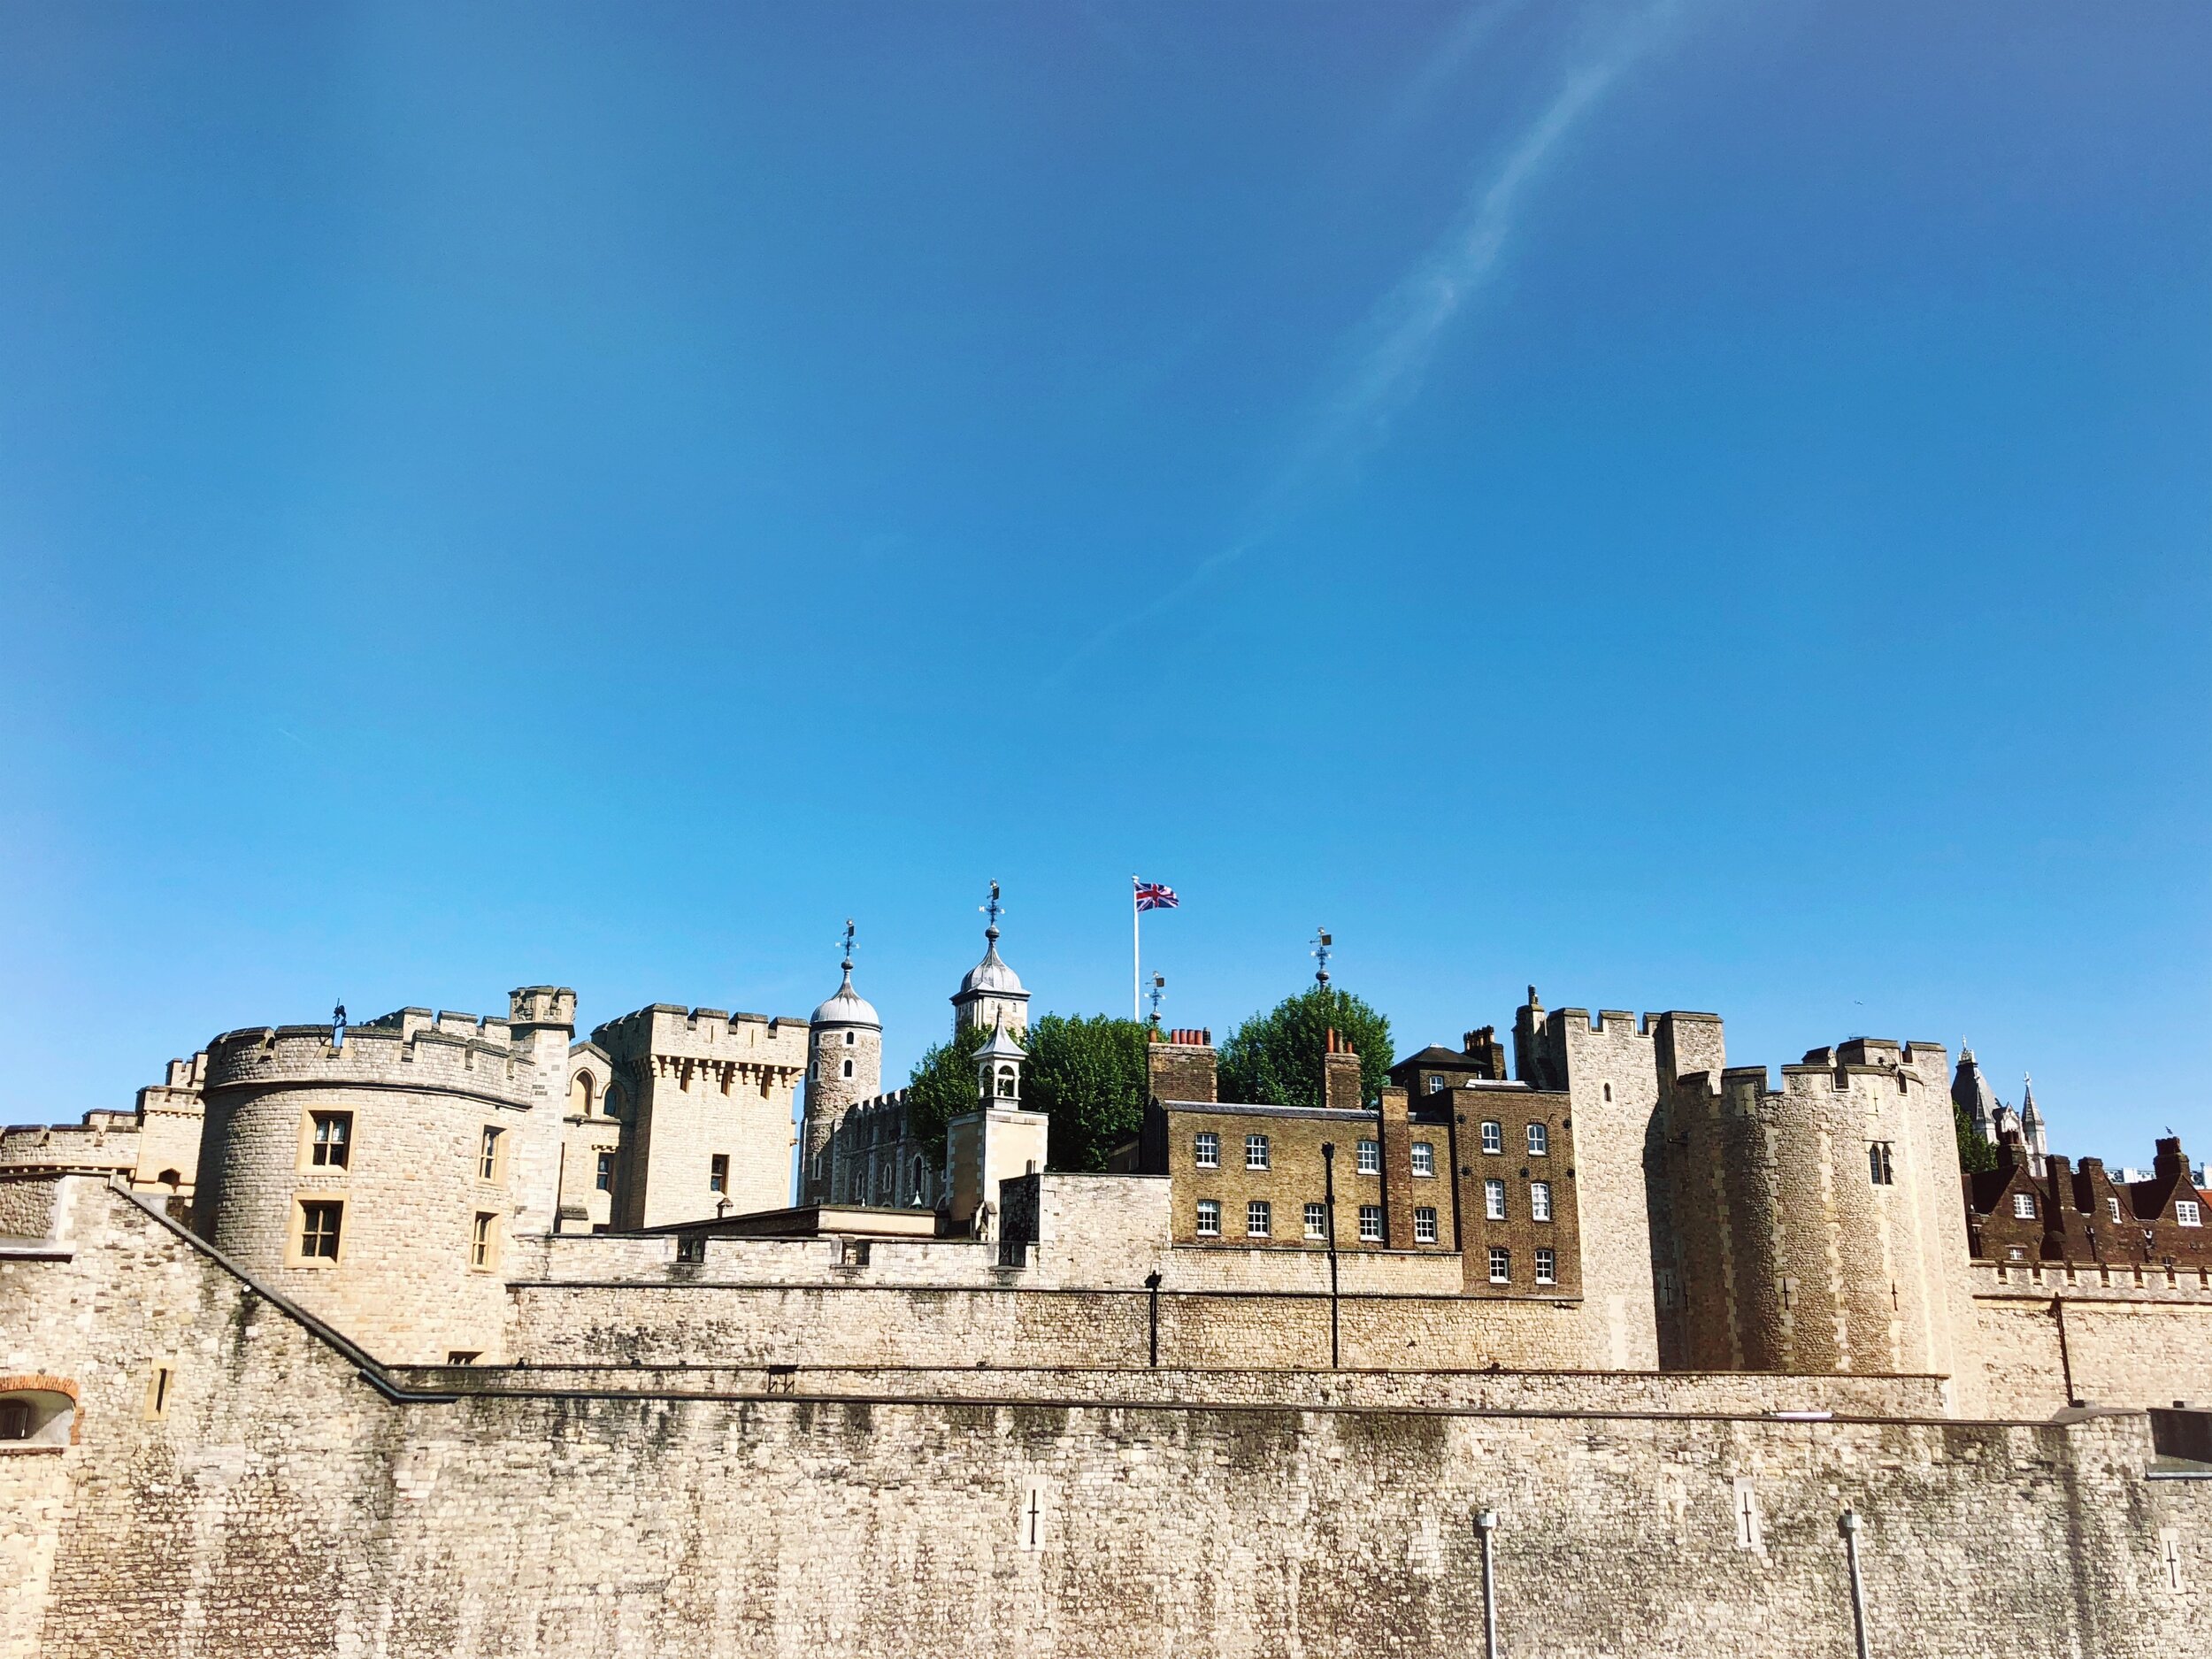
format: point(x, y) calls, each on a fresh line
point(1699, 506)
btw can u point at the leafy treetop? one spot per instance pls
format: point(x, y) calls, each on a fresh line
point(1274, 1058)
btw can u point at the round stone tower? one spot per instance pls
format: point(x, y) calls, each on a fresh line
point(383, 1175)
point(844, 1065)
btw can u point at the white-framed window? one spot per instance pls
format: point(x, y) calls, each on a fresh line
point(1538, 1140)
point(2187, 1213)
point(851, 1038)
point(1370, 1223)
point(1494, 1199)
point(1208, 1218)
point(1494, 1137)
point(1547, 1265)
point(1424, 1158)
point(1434, 1082)
point(1206, 1150)
point(1317, 1221)
point(1500, 1265)
point(2113, 1204)
point(2024, 1206)
point(1370, 1157)
point(1747, 1513)
point(1424, 1225)
point(1256, 1152)
point(848, 1068)
point(1259, 1218)
point(1877, 1164)
point(1540, 1201)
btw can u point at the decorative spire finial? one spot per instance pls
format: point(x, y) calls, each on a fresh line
point(847, 964)
point(993, 910)
point(1159, 989)
point(1320, 952)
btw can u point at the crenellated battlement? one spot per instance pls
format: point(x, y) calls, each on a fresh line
point(771, 1042)
point(409, 1048)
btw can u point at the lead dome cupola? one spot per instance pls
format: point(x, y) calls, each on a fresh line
point(847, 1007)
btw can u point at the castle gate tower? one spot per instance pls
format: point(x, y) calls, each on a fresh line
point(844, 1065)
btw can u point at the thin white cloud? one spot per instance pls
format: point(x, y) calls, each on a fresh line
point(1387, 354)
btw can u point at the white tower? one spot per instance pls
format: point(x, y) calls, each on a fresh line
point(844, 1065)
point(992, 994)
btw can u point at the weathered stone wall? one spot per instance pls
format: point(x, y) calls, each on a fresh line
point(2044, 1336)
point(288, 1508)
point(864, 1321)
point(1604, 1393)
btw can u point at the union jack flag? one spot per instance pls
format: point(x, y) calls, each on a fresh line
point(1151, 895)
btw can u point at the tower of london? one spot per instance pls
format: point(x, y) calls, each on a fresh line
point(459, 1334)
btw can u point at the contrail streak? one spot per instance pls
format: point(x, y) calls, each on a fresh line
point(1390, 350)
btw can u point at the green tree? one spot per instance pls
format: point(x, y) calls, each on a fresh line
point(1088, 1072)
point(1975, 1154)
point(1274, 1059)
point(943, 1087)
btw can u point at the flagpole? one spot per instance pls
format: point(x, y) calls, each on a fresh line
point(1136, 972)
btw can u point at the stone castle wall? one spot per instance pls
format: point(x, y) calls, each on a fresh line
point(299, 1510)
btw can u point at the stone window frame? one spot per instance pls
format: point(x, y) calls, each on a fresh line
point(1259, 1218)
point(484, 1241)
point(1367, 1158)
point(1316, 1220)
point(1879, 1169)
point(491, 1154)
point(1206, 1149)
point(718, 1172)
point(851, 1038)
point(296, 1251)
point(1208, 1219)
point(1370, 1223)
point(313, 1142)
point(161, 1391)
point(1540, 1201)
point(849, 1066)
point(1547, 1264)
point(1422, 1154)
point(1494, 1199)
point(1493, 1136)
point(1424, 1225)
point(1258, 1155)
point(1500, 1265)
point(603, 1173)
point(1539, 1141)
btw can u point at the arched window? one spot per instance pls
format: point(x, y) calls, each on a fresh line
point(848, 1068)
point(169, 1178)
point(617, 1101)
point(40, 1415)
point(579, 1094)
point(1006, 1082)
point(920, 1181)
